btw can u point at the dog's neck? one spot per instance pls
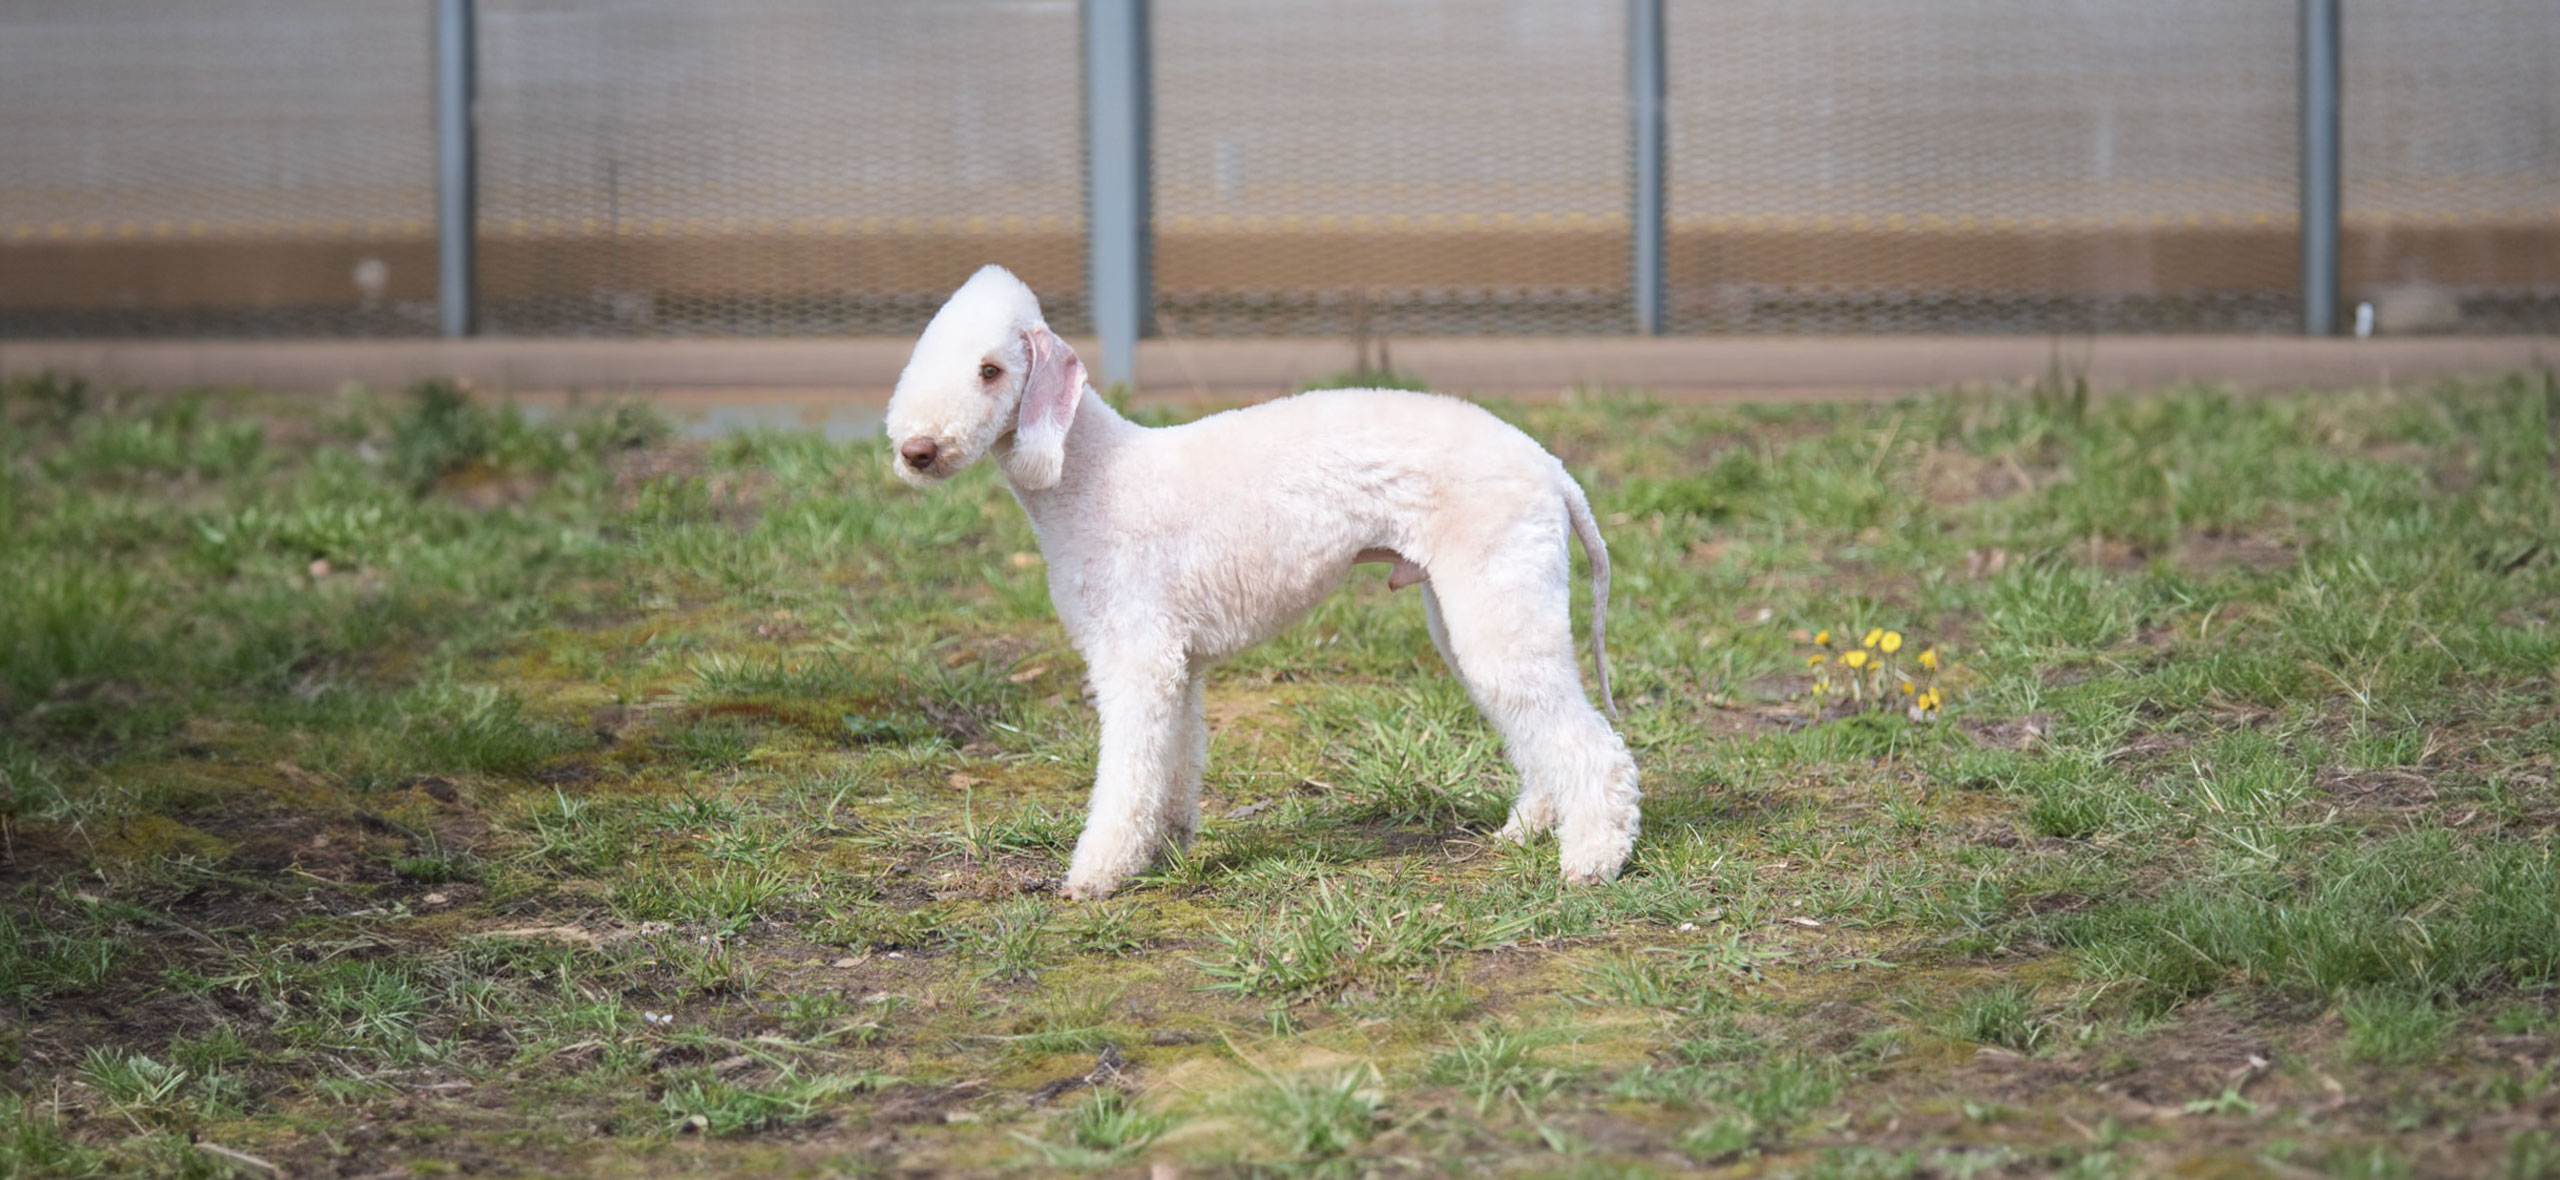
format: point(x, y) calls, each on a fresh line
point(1096, 434)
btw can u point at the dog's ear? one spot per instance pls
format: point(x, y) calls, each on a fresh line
point(1052, 383)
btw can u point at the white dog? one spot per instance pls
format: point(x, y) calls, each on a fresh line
point(1170, 549)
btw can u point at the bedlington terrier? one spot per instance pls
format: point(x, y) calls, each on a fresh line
point(1170, 549)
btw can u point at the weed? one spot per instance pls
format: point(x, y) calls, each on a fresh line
point(1494, 1068)
point(438, 868)
point(713, 743)
point(575, 834)
point(1033, 830)
point(36, 963)
point(712, 964)
point(1755, 1103)
point(1108, 1125)
point(2365, 1162)
point(1874, 674)
point(883, 927)
point(1014, 943)
point(829, 1017)
point(1656, 977)
point(2531, 1154)
point(1109, 928)
point(699, 1100)
point(1319, 1117)
point(2406, 913)
point(1339, 936)
point(363, 1007)
point(2394, 1028)
point(2230, 1101)
point(1065, 1022)
point(723, 901)
point(1639, 981)
point(33, 1142)
point(131, 1080)
point(2005, 1016)
point(211, 1053)
point(1430, 762)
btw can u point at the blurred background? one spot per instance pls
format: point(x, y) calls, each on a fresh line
point(794, 167)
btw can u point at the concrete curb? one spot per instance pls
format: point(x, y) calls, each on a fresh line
point(1709, 368)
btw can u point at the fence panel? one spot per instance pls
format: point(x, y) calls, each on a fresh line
point(772, 166)
point(2452, 161)
point(265, 167)
point(233, 167)
point(1325, 166)
point(1982, 165)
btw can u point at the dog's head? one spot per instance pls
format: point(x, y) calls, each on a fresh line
point(987, 375)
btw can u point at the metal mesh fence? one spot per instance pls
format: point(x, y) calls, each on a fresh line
point(1972, 165)
point(221, 166)
point(2452, 163)
point(1328, 165)
point(773, 166)
point(1320, 166)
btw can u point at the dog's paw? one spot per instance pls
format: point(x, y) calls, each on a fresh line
point(1591, 866)
point(1076, 888)
point(1522, 828)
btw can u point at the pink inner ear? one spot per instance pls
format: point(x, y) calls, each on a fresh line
point(1054, 382)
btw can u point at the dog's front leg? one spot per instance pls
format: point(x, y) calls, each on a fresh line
point(1144, 710)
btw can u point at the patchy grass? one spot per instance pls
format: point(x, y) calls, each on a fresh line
point(394, 785)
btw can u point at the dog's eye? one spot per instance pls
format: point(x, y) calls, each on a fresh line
point(989, 372)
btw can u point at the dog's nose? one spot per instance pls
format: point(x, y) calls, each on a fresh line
point(919, 452)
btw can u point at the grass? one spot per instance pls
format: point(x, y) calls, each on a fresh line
point(394, 784)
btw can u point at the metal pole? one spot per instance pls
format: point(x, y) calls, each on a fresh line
point(1647, 79)
point(2320, 89)
point(457, 194)
point(1118, 94)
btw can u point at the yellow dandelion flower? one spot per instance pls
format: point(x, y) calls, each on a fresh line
point(1909, 688)
point(1855, 659)
point(1875, 635)
point(1823, 637)
point(1929, 659)
point(1891, 643)
point(1815, 659)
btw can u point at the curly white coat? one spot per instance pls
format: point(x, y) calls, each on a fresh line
point(1170, 549)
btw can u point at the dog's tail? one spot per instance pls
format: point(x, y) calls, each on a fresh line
point(1587, 530)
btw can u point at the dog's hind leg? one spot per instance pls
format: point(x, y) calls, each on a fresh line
point(1191, 761)
point(1439, 628)
point(1510, 633)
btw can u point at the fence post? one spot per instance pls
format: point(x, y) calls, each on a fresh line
point(1646, 85)
point(457, 179)
point(2320, 183)
point(1118, 94)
